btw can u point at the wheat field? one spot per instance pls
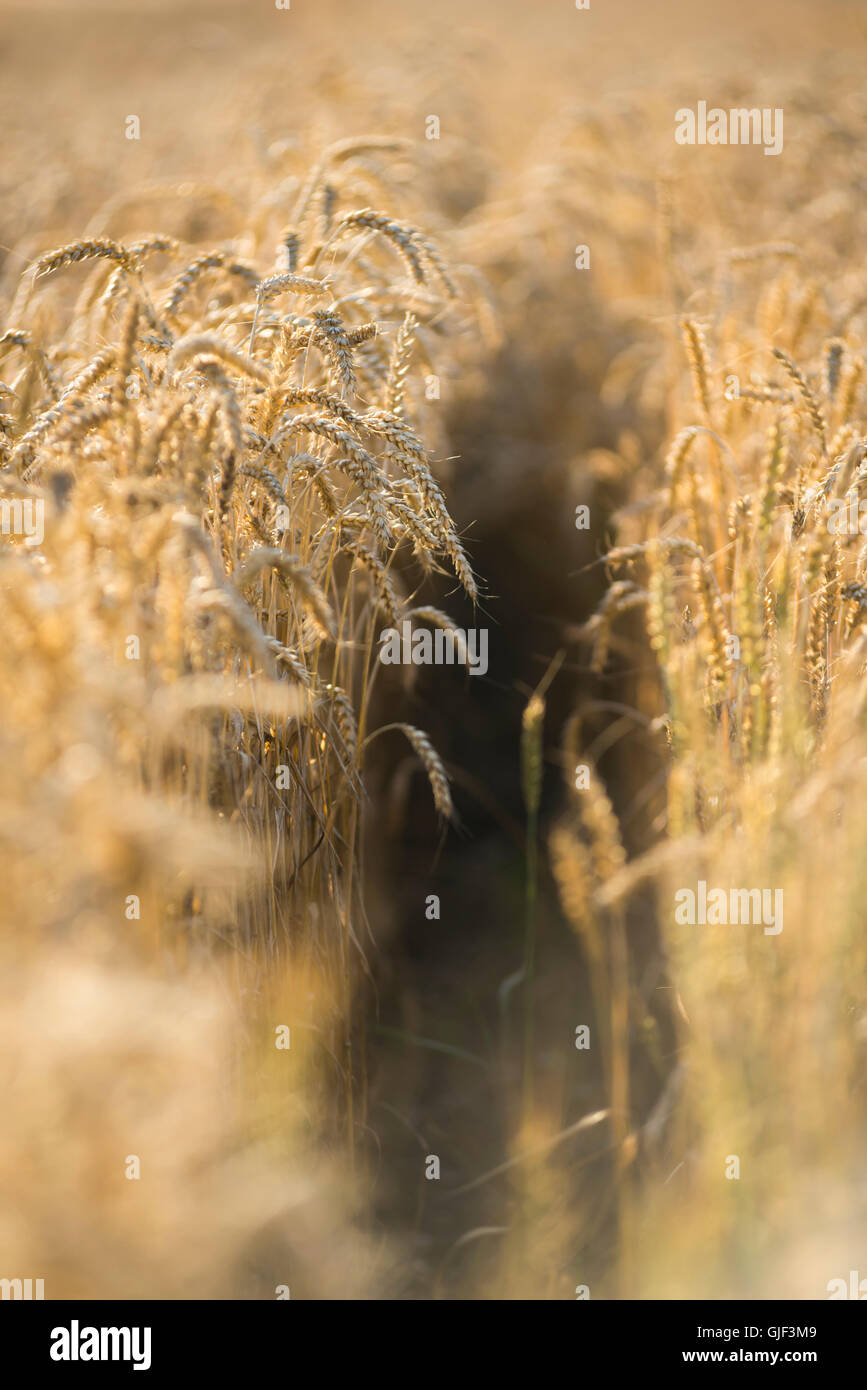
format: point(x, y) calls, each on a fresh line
point(381, 981)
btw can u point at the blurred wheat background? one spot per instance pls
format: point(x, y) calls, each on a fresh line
point(282, 372)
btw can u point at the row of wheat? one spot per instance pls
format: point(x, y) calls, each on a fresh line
point(743, 577)
point(232, 501)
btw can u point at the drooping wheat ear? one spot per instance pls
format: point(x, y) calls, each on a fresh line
point(397, 233)
point(116, 286)
point(15, 338)
point(386, 593)
point(312, 467)
point(159, 431)
point(335, 154)
point(329, 334)
point(273, 285)
point(288, 657)
point(19, 338)
point(437, 618)
point(231, 407)
point(291, 568)
point(425, 543)
point(425, 527)
point(153, 246)
point(209, 260)
point(95, 370)
point(369, 472)
point(99, 247)
point(80, 415)
point(400, 436)
point(327, 498)
point(674, 545)
point(461, 566)
point(405, 444)
point(211, 345)
point(398, 367)
point(364, 333)
point(225, 600)
point(435, 259)
point(325, 400)
point(51, 381)
point(622, 597)
point(699, 362)
point(810, 403)
point(344, 716)
point(269, 481)
point(432, 763)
